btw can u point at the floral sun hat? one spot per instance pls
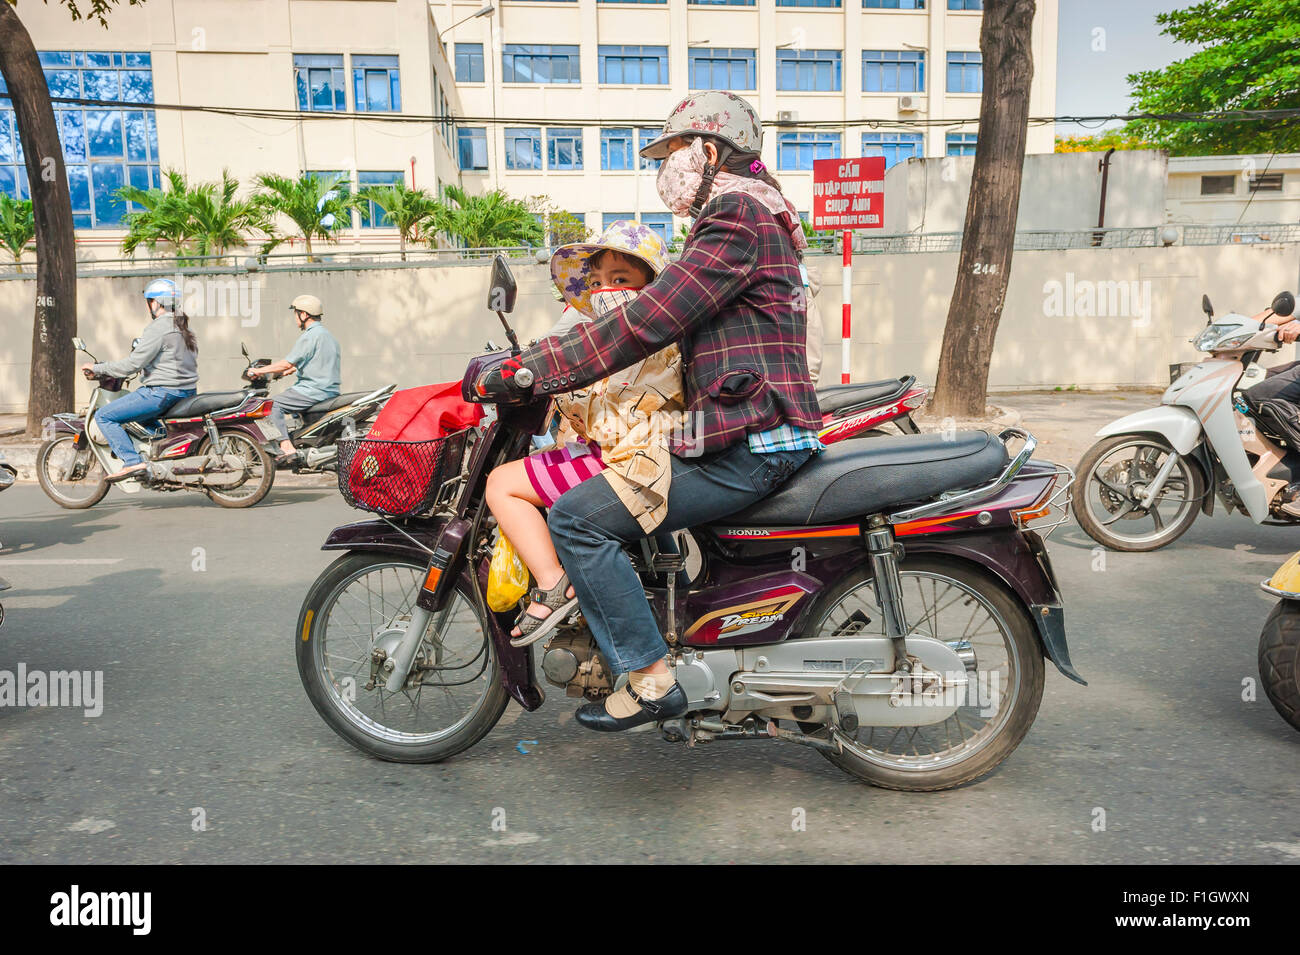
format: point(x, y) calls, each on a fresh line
point(571, 264)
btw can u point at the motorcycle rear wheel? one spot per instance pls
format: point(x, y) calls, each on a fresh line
point(1279, 660)
point(957, 750)
point(91, 487)
point(359, 600)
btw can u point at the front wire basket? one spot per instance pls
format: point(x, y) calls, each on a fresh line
point(399, 478)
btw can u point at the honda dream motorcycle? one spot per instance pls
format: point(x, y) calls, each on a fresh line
point(889, 607)
point(1153, 471)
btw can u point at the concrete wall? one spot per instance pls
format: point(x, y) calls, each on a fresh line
point(1061, 324)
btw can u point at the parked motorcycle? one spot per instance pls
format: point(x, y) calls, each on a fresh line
point(916, 669)
point(8, 473)
point(316, 430)
point(863, 410)
point(209, 442)
point(1144, 483)
point(1279, 643)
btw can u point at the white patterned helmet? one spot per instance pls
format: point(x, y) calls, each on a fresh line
point(720, 114)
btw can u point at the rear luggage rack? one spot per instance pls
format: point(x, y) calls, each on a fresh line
point(949, 500)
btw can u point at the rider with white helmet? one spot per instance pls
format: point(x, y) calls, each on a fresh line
point(166, 353)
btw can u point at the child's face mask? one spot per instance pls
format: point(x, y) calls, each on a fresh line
point(605, 300)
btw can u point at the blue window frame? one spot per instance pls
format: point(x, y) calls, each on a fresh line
point(961, 144)
point(616, 148)
point(537, 63)
point(471, 142)
point(796, 151)
point(644, 138)
point(523, 147)
point(376, 87)
point(808, 70)
point(373, 217)
point(893, 71)
point(469, 62)
point(893, 4)
point(103, 149)
point(633, 65)
point(965, 73)
point(661, 222)
point(721, 3)
point(318, 78)
point(632, 1)
point(894, 146)
point(965, 4)
point(563, 148)
point(807, 3)
point(723, 68)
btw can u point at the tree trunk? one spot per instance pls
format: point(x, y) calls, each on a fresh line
point(984, 266)
point(51, 388)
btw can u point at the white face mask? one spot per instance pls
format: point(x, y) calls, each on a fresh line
point(605, 300)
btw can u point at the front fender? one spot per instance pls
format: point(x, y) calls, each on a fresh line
point(1175, 424)
point(384, 537)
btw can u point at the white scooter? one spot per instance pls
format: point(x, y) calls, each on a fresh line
point(1150, 474)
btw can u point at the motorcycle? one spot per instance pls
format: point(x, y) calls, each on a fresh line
point(314, 431)
point(1155, 470)
point(861, 411)
point(889, 607)
point(8, 475)
point(1279, 643)
point(209, 442)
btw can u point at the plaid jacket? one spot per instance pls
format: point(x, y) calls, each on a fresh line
point(735, 304)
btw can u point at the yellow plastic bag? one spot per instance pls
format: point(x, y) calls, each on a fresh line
point(507, 576)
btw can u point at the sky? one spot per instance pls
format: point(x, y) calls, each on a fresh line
point(1091, 82)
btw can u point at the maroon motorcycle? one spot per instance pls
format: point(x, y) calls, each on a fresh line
point(890, 607)
point(211, 443)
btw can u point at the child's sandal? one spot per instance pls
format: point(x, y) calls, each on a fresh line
point(532, 629)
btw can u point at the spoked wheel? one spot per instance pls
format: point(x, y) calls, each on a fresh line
point(959, 605)
point(259, 471)
point(70, 478)
point(1115, 474)
point(454, 695)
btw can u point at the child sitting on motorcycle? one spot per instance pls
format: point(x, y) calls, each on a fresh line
point(619, 426)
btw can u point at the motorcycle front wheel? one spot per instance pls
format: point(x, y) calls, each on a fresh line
point(70, 478)
point(454, 697)
point(259, 470)
point(1279, 660)
point(1112, 476)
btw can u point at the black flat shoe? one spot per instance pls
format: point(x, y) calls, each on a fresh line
point(594, 716)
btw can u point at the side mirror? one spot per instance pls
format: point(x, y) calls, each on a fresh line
point(503, 291)
point(1283, 304)
point(79, 344)
point(1207, 308)
point(243, 349)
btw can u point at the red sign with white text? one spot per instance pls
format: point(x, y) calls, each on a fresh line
point(849, 193)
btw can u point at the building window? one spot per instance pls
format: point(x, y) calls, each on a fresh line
point(523, 148)
point(634, 65)
point(796, 151)
point(632, 1)
point(469, 62)
point(103, 149)
point(893, 71)
point(965, 4)
point(723, 68)
point(645, 138)
point(661, 222)
point(373, 217)
point(471, 144)
point(965, 73)
point(564, 149)
point(1268, 182)
point(721, 3)
point(523, 63)
point(807, 3)
point(895, 147)
point(1218, 185)
point(616, 148)
point(318, 78)
point(893, 4)
point(375, 85)
point(961, 144)
point(808, 70)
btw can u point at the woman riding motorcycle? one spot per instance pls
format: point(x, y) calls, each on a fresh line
point(167, 352)
point(734, 303)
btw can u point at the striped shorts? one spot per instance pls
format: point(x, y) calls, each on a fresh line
point(551, 473)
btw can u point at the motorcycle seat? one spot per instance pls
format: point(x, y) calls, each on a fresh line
point(854, 478)
point(330, 404)
point(196, 406)
point(837, 397)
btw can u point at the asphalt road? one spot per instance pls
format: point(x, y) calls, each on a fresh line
point(204, 710)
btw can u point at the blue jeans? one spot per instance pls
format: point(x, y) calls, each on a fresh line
point(590, 525)
point(143, 404)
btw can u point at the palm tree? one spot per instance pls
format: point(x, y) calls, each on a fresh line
point(317, 205)
point(17, 226)
point(491, 220)
point(407, 210)
point(163, 216)
point(218, 220)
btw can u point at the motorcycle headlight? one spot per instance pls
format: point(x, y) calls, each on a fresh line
point(1212, 338)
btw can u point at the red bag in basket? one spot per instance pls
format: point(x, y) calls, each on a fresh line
point(394, 478)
